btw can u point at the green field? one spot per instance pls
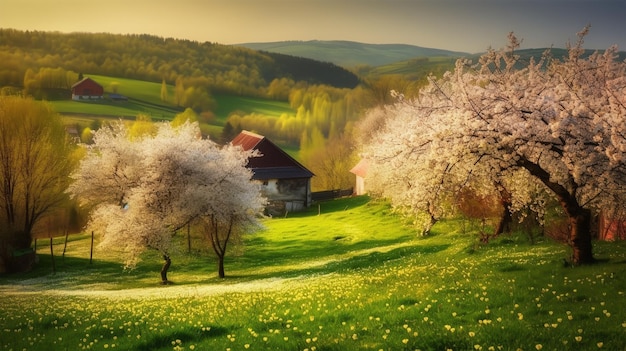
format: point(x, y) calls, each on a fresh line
point(144, 98)
point(348, 275)
point(415, 69)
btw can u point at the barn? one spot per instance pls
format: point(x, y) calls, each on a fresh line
point(286, 183)
point(87, 89)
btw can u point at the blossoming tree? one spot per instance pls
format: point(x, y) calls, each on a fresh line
point(558, 122)
point(142, 191)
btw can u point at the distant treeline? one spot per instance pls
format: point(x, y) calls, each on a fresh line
point(222, 68)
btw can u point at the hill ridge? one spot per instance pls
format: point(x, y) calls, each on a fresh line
point(350, 53)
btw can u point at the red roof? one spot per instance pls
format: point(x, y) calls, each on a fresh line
point(247, 140)
point(274, 163)
point(87, 86)
point(361, 168)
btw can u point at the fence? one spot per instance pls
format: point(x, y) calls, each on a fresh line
point(330, 194)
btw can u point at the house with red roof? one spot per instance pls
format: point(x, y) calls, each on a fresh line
point(87, 89)
point(286, 182)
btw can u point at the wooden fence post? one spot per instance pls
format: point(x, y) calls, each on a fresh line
point(91, 252)
point(54, 268)
point(188, 238)
point(65, 244)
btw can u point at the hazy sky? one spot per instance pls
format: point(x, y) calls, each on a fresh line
point(462, 25)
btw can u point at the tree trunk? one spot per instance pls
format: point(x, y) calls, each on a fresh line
point(504, 224)
point(220, 266)
point(580, 237)
point(579, 217)
point(431, 220)
point(166, 266)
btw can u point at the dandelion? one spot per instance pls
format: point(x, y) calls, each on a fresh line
point(578, 338)
point(600, 344)
point(538, 346)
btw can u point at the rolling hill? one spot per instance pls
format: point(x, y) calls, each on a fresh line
point(349, 53)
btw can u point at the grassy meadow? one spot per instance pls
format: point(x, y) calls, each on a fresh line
point(145, 98)
point(347, 275)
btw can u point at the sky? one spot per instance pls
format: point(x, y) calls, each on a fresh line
point(459, 25)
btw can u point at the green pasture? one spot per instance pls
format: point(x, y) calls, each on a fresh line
point(416, 68)
point(347, 275)
point(229, 103)
point(145, 98)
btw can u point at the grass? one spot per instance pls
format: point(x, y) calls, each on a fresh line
point(229, 103)
point(351, 278)
point(145, 98)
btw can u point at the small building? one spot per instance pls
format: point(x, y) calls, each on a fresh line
point(360, 171)
point(118, 97)
point(286, 182)
point(87, 89)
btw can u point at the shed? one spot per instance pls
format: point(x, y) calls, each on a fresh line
point(360, 171)
point(286, 182)
point(87, 89)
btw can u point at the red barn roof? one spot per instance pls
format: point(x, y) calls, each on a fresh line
point(273, 163)
point(87, 87)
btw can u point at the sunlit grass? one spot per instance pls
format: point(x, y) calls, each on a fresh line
point(351, 278)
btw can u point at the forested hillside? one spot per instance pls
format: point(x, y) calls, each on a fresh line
point(214, 67)
point(352, 54)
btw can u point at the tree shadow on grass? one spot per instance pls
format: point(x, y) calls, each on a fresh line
point(75, 273)
point(352, 263)
point(78, 273)
point(190, 336)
